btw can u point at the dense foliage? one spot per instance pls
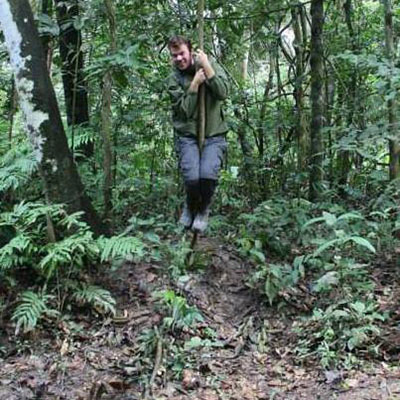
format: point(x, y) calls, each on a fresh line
point(329, 245)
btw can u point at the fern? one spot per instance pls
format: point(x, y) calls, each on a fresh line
point(82, 136)
point(31, 216)
point(97, 297)
point(30, 245)
point(71, 251)
point(74, 221)
point(120, 247)
point(15, 252)
point(32, 307)
point(16, 167)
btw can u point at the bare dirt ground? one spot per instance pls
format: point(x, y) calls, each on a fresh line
point(250, 356)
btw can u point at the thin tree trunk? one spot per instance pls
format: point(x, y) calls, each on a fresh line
point(38, 103)
point(344, 155)
point(279, 86)
point(46, 38)
point(263, 111)
point(12, 110)
point(106, 122)
point(394, 148)
point(202, 93)
point(316, 62)
point(301, 122)
point(75, 86)
point(245, 60)
point(248, 161)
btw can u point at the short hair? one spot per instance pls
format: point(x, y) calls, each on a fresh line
point(177, 40)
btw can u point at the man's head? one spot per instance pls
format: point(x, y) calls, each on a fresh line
point(180, 49)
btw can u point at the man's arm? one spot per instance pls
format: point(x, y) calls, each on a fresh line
point(216, 78)
point(185, 101)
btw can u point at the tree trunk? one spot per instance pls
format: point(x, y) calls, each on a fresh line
point(301, 122)
point(202, 93)
point(344, 155)
point(12, 110)
point(394, 148)
point(46, 38)
point(38, 103)
point(316, 62)
point(106, 122)
point(263, 110)
point(75, 87)
point(246, 53)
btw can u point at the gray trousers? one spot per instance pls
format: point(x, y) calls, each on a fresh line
point(205, 166)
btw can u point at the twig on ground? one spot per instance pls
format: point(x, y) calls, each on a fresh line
point(157, 363)
point(242, 334)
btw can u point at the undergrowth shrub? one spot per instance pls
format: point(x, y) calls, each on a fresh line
point(16, 167)
point(274, 226)
point(334, 334)
point(330, 252)
point(49, 250)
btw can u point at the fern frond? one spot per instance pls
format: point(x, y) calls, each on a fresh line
point(32, 307)
point(120, 247)
point(70, 251)
point(74, 220)
point(12, 254)
point(16, 167)
point(100, 299)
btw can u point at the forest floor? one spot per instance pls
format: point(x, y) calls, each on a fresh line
point(243, 349)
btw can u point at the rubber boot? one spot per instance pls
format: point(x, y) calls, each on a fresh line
point(207, 189)
point(186, 218)
point(192, 203)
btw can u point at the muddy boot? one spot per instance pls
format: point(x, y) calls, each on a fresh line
point(201, 221)
point(186, 218)
point(192, 203)
point(207, 189)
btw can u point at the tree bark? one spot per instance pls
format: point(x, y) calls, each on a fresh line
point(263, 110)
point(316, 62)
point(12, 110)
point(38, 103)
point(106, 122)
point(75, 86)
point(344, 155)
point(47, 38)
point(202, 93)
point(394, 148)
point(246, 53)
point(301, 122)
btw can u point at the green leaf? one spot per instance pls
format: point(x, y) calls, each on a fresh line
point(329, 218)
point(313, 221)
point(363, 242)
point(358, 307)
point(338, 314)
point(325, 246)
point(194, 342)
point(327, 280)
point(258, 255)
point(350, 215)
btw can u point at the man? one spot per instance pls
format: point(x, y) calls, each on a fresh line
point(200, 169)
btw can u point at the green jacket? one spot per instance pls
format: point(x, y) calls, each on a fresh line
point(184, 103)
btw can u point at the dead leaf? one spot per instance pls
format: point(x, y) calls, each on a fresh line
point(333, 376)
point(189, 380)
point(351, 383)
point(151, 277)
point(117, 384)
point(208, 395)
point(64, 347)
point(275, 382)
